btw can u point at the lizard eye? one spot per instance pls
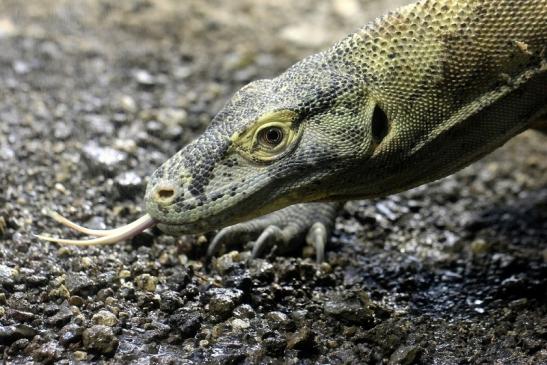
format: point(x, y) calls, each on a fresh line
point(271, 136)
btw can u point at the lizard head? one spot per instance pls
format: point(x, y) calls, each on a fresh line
point(296, 138)
point(277, 142)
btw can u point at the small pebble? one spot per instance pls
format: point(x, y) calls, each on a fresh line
point(278, 319)
point(128, 184)
point(349, 308)
point(3, 226)
point(80, 283)
point(302, 339)
point(70, 333)
point(224, 300)
point(146, 282)
point(80, 355)
point(62, 317)
point(404, 355)
point(106, 160)
point(100, 339)
point(7, 275)
point(226, 261)
point(60, 292)
point(10, 334)
point(105, 318)
point(240, 324)
point(76, 300)
point(127, 104)
point(124, 274)
point(144, 78)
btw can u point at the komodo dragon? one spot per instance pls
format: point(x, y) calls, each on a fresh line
point(411, 97)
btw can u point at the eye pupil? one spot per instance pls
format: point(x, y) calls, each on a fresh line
point(274, 136)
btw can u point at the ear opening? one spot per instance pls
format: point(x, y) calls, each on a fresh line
point(379, 124)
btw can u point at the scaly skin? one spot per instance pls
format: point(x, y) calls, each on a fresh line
point(409, 98)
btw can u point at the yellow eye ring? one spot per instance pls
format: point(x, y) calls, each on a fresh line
point(269, 138)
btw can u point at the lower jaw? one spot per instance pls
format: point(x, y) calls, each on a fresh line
point(179, 229)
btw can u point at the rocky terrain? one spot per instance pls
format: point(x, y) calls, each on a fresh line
point(96, 94)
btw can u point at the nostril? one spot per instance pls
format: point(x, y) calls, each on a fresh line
point(164, 194)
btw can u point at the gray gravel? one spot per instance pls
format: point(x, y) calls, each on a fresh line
point(95, 95)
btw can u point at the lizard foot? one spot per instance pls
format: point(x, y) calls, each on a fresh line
point(284, 230)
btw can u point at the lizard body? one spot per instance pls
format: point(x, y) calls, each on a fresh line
point(411, 97)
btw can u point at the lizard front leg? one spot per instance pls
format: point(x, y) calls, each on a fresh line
point(286, 230)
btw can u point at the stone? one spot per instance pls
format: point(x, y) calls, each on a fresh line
point(100, 339)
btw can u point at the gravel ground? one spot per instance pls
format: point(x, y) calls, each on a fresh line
point(96, 94)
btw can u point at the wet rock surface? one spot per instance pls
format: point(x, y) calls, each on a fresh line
point(95, 95)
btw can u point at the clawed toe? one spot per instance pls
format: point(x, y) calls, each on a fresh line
point(317, 237)
point(271, 236)
point(238, 233)
point(285, 231)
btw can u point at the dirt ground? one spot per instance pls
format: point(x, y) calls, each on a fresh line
point(95, 94)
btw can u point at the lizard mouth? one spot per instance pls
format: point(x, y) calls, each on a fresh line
point(103, 237)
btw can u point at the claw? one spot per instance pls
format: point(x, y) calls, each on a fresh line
point(267, 238)
point(106, 237)
point(317, 236)
point(240, 231)
point(218, 241)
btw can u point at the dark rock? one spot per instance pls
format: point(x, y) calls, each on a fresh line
point(70, 333)
point(10, 334)
point(20, 316)
point(19, 345)
point(222, 301)
point(36, 280)
point(303, 339)
point(227, 353)
point(129, 185)
point(61, 318)
point(404, 355)
point(262, 271)
point(157, 331)
point(47, 353)
point(178, 281)
point(278, 319)
point(143, 239)
point(274, 343)
point(170, 301)
point(349, 308)
point(244, 311)
point(241, 281)
point(80, 283)
point(188, 322)
point(147, 300)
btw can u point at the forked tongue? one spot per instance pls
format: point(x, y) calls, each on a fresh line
point(104, 237)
